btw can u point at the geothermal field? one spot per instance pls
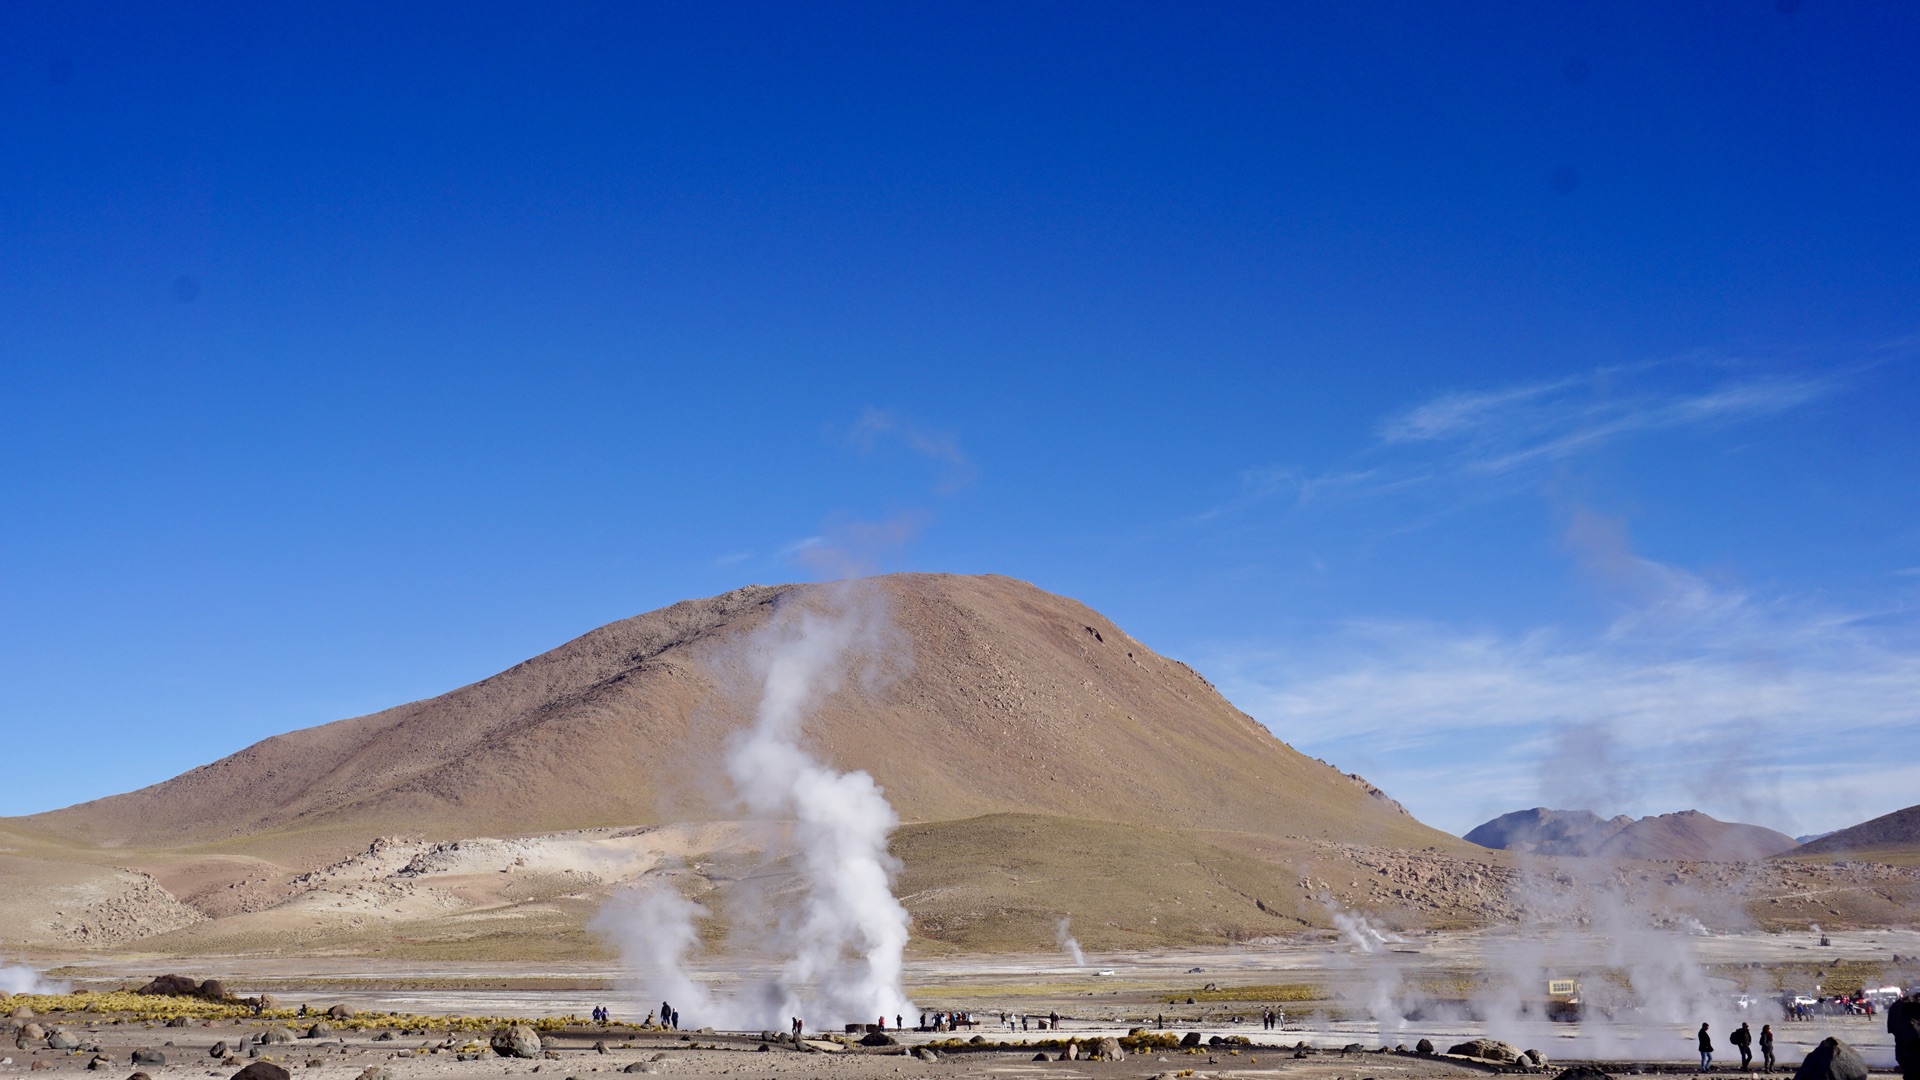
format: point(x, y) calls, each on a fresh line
point(1302, 924)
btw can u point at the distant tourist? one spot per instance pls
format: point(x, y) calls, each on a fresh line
point(1742, 1040)
point(1706, 1049)
point(1766, 1046)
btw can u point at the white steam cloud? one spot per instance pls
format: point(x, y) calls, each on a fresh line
point(833, 952)
point(21, 979)
point(1067, 941)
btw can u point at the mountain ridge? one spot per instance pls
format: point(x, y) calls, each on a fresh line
point(1684, 835)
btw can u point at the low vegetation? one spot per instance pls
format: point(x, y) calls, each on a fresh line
point(126, 1006)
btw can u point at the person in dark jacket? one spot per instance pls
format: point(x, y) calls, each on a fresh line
point(1903, 1021)
point(1742, 1040)
point(1766, 1046)
point(1706, 1049)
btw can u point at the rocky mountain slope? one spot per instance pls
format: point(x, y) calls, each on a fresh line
point(1016, 700)
point(1688, 835)
point(1541, 831)
point(1891, 837)
point(1001, 700)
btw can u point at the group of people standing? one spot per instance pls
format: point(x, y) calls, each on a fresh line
point(1271, 1019)
point(1742, 1040)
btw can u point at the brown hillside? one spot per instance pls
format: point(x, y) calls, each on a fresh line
point(1018, 701)
point(1891, 837)
point(1693, 836)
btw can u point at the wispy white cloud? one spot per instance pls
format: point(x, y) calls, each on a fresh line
point(876, 426)
point(1767, 709)
point(1502, 439)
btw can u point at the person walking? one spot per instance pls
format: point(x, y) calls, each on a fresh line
point(1706, 1049)
point(1742, 1040)
point(1766, 1046)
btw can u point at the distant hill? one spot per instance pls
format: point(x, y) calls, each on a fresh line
point(1015, 705)
point(1541, 831)
point(1687, 835)
point(1693, 835)
point(1891, 837)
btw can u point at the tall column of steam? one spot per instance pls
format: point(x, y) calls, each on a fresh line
point(847, 937)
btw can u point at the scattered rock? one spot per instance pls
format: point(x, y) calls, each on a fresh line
point(38, 1064)
point(1487, 1050)
point(318, 1031)
point(1071, 1052)
point(1424, 1047)
point(139, 1076)
point(1190, 1040)
point(260, 1070)
point(99, 1063)
point(879, 1038)
point(62, 1040)
point(172, 986)
point(213, 990)
point(642, 1067)
point(927, 1053)
point(1583, 1072)
point(149, 1056)
point(1041, 1057)
point(220, 1049)
point(385, 1036)
point(179, 1021)
point(33, 1031)
point(275, 1036)
point(1534, 1058)
point(1352, 1048)
point(601, 1048)
point(1108, 1049)
point(340, 1012)
point(518, 1041)
point(1832, 1060)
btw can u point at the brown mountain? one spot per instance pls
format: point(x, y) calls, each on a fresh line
point(1017, 701)
point(1028, 731)
point(1693, 836)
point(1891, 837)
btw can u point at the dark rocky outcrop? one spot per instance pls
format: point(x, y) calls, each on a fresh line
point(1831, 1060)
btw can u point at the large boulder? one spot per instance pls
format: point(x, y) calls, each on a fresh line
point(219, 1049)
point(213, 990)
point(1070, 1052)
point(1107, 1048)
point(172, 985)
point(319, 1031)
point(1583, 1072)
point(1487, 1050)
point(32, 1030)
point(62, 1040)
point(376, 1072)
point(1832, 1060)
point(1424, 1047)
point(262, 1070)
point(879, 1038)
point(518, 1041)
point(340, 1012)
point(20, 1012)
point(1190, 1040)
point(147, 1055)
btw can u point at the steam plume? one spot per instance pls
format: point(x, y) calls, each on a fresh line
point(835, 952)
point(1068, 943)
point(21, 979)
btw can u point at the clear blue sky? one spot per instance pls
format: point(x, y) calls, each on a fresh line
point(1513, 402)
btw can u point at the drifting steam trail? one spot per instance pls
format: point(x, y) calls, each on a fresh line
point(836, 952)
